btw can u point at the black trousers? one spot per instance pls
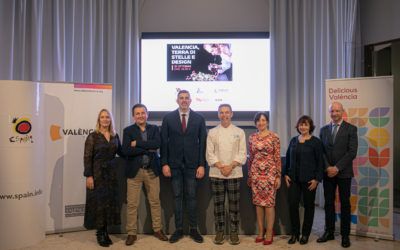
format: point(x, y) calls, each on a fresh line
point(295, 192)
point(184, 185)
point(344, 185)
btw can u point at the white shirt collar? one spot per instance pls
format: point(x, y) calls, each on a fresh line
point(187, 112)
point(339, 123)
point(230, 126)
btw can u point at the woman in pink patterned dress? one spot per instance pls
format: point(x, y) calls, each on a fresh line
point(264, 175)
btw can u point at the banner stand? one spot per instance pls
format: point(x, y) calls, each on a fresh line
point(368, 104)
point(22, 172)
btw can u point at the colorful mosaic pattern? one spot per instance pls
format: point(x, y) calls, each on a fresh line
point(370, 191)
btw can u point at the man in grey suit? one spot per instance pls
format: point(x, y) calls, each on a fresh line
point(183, 144)
point(340, 148)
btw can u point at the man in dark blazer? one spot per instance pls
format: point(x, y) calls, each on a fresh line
point(183, 144)
point(140, 143)
point(340, 148)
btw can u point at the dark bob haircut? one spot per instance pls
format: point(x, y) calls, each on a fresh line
point(305, 119)
point(257, 117)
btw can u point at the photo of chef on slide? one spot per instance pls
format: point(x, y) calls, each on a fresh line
point(199, 62)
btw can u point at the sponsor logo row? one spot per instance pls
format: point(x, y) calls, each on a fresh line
point(21, 131)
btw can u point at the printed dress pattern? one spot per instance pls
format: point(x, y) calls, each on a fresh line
point(265, 167)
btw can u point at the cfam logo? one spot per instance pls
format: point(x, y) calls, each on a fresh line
point(22, 127)
point(57, 133)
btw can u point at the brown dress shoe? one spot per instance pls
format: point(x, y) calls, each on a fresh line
point(130, 240)
point(160, 235)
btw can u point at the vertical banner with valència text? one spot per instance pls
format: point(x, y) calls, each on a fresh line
point(368, 104)
point(71, 114)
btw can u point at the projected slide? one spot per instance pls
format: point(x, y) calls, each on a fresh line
point(214, 70)
point(199, 62)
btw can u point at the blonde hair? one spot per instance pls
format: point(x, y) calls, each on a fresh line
point(111, 127)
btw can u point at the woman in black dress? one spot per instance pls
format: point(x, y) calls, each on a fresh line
point(102, 208)
point(303, 171)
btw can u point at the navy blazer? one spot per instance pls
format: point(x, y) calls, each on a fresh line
point(342, 152)
point(311, 162)
point(134, 155)
point(180, 148)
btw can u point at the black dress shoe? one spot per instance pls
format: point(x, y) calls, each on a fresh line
point(177, 235)
point(194, 234)
point(346, 241)
point(304, 239)
point(293, 239)
point(101, 238)
point(108, 239)
point(325, 237)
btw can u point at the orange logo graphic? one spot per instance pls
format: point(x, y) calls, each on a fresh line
point(55, 132)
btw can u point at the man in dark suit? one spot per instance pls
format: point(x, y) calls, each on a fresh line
point(183, 144)
point(340, 148)
point(140, 143)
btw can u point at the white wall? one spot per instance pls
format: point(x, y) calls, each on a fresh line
point(380, 20)
point(203, 15)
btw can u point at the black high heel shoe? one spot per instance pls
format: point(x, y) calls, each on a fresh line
point(293, 239)
point(304, 239)
point(101, 238)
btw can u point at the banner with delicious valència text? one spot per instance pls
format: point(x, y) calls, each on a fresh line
point(368, 104)
point(71, 114)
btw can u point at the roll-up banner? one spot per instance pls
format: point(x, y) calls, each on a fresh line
point(71, 114)
point(43, 128)
point(368, 104)
point(22, 168)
